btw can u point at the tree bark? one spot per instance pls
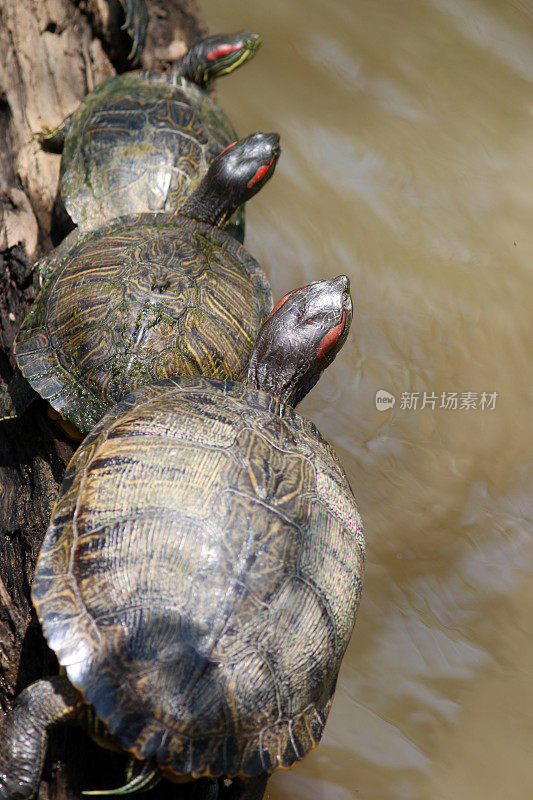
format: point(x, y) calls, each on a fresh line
point(52, 52)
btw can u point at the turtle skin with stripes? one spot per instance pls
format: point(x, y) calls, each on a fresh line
point(200, 577)
point(138, 300)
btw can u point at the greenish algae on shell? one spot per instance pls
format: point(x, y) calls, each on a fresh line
point(138, 300)
point(200, 577)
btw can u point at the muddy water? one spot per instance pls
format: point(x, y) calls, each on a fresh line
point(407, 134)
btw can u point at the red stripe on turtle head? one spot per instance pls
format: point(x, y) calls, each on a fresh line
point(280, 303)
point(229, 146)
point(261, 172)
point(331, 338)
point(258, 175)
point(223, 50)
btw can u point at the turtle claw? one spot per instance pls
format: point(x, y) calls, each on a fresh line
point(53, 139)
point(136, 23)
point(45, 136)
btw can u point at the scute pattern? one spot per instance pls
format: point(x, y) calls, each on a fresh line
point(139, 142)
point(197, 583)
point(136, 301)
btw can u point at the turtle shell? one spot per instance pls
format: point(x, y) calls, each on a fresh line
point(141, 299)
point(139, 142)
point(200, 577)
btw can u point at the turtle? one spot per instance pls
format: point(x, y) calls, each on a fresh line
point(150, 295)
point(143, 140)
point(201, 573)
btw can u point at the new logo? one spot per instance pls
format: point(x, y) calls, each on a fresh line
point(384, 400)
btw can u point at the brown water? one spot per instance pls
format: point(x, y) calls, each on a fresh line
point(407, 135)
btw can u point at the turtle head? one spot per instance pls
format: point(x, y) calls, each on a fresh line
point(217, 55)
point(244, 167)
point(233, 177)
point(300, 338)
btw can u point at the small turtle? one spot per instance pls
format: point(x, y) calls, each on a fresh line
point(148, 296)
point(201, 574)
point(142, 141)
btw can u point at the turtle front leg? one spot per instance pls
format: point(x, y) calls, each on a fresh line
point(250, 789)
point(53, 139)
point(24, 734)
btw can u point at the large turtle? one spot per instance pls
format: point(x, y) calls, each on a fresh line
point(148, 296)
point(200, 577)
point(143, 140)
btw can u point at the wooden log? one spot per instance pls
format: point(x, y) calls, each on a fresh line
point(52, 52)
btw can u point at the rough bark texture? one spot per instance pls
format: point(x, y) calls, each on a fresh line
point(52, 52)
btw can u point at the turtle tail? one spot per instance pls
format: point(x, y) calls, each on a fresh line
point(141, 776)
